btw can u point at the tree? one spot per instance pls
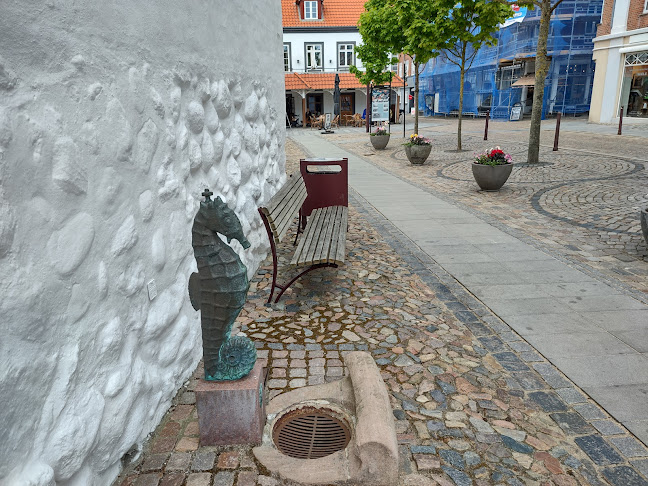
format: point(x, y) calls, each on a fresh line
point(394, 26)
point(460, 30)
point(375, 57)
point(542, 68)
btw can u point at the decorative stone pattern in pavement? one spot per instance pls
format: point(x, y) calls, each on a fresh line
point(582, 201)
point(469, 409)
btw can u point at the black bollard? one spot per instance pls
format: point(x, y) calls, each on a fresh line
point(557, 136)
point(620, 121)
point(486, 127)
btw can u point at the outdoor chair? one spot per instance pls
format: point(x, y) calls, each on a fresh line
point(336, 122)
point(316, 122)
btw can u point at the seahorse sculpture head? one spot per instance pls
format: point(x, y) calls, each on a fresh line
point(219, 290)
point(218, 217)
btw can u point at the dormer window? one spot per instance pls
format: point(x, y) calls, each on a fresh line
point(310, 10)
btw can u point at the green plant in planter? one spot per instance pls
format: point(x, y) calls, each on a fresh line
point(416, 139)
point(494, 156)
point(379, 131)
point(492, 169)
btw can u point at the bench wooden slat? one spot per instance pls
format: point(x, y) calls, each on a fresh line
point(323, 247)
point(283, 192)
point(287, 201)
point(341, 241)
point(306, 239)
point(335, 235)
point(292, 210)
point(324, 238)
point(318, 236)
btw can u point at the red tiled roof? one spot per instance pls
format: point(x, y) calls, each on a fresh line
point(335, 13)
point(313, 81)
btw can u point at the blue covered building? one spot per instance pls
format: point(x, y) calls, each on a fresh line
point(502, 76)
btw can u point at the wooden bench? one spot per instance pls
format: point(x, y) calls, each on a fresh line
point(322, 238)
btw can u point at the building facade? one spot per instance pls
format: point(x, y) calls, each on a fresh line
point(319, 41)
point(621, 55)
point(501, 78)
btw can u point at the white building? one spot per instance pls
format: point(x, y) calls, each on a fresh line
point(319, 41)
point(621, 55)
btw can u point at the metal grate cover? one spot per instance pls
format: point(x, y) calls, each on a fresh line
point(310, 433)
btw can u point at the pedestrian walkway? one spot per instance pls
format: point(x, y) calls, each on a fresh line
point(593, 333)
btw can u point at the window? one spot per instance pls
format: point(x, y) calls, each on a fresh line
point(310, 10)
point(286, 57)
point(314, 56)
point(345, 55)
point(645, 7)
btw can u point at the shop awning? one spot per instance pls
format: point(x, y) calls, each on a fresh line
point(525, 81)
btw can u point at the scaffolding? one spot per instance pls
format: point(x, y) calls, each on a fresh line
point(502, 76)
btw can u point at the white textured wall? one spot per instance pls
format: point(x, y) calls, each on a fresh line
point(113, 118)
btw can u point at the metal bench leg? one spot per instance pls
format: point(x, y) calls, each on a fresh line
point(274, 255)
point(285, 287)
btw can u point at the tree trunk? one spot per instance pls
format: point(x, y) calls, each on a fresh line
point(461, 93)
point(368, 107)
point(416, 94)
point(542, 67)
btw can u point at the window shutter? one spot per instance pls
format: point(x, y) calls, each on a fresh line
point(301, 10)
point(320, 7)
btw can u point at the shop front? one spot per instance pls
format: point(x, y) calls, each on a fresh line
point(634, 87)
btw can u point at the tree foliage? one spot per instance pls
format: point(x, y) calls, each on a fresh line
point(460, 30)
point(394, 26)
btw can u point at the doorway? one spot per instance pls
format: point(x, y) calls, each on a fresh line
point(347, 104)
point(315, 103)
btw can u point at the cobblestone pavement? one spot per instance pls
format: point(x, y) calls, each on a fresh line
point(473, 403)
point(582, 201)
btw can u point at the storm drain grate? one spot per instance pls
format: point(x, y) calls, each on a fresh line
point(310, 433)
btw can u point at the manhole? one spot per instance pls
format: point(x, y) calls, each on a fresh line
point(310, 433)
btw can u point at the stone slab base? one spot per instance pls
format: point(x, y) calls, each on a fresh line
point(232, 412)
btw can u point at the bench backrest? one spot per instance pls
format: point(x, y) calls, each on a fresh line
point(284, 206)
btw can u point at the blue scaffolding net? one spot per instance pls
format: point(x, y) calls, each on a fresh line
point(501, 78)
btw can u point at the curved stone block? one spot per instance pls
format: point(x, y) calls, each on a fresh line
point(233, 173)
point(157, 101)
point(195, 154)
point(68, 172)
point(146, 205)
point(223, 99)
point(211, 118)
point(251, 107)
point(158, 249)
point(147, 142)
point(195, 117)
point(208, 154)
point(125, 238)
point(68, 247)
point(175, 97)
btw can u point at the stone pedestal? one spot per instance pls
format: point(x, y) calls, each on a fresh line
point(232, 412)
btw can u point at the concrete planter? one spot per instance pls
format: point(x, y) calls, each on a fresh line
point(379, 142)
point(491, 177)
point(644, 223)
point(417, 154)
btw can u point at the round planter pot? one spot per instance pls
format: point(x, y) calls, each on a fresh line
point(379, 142)
point(491, 177)
point(417, 154)
point(644, 223)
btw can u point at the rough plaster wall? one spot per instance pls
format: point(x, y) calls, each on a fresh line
point(114, 116)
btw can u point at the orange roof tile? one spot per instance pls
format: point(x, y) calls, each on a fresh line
point(335, 13)
point(316, 81)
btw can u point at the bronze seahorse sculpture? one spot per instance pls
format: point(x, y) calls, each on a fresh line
point(219, 290)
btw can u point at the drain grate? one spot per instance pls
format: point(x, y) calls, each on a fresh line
point(310, 433)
